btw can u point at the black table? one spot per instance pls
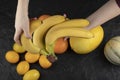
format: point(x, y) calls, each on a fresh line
point(70, 66)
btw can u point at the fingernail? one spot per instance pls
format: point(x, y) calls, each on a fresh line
point(30, 37)
point(65, 38)
point(35, 18)
point(64, 15)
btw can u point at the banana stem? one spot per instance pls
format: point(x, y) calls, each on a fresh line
point(51, 58)
point(43, 52)
point(51, 51)
point(51, 54)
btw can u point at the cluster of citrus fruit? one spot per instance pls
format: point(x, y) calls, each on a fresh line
point(23, 66)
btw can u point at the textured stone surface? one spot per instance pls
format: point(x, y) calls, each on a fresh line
point(69, 66)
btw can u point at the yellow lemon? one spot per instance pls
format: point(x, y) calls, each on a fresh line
point(12, 56)
point(32, 74)
point(18, 48)
point(22, 67)
point(44, 62)
point(32, 57)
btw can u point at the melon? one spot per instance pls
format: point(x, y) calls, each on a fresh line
point(85, 46)
point(112, 50)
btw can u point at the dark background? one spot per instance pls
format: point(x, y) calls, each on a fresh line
point(70, 66)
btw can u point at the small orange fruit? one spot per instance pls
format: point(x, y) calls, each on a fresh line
point(44, 16)
point(44, 62)
point(61, 45)
point(12, 56)
point(32, 57)
point(22, 67)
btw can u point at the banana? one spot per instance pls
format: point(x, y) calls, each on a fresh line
point(73, 23)
point(39, 34)
point(52, 36)
point(27, 43)
point(76, 23)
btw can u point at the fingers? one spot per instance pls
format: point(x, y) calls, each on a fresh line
point(65, 15)
point(27, 32)
point(17, 36)
point(88, 28)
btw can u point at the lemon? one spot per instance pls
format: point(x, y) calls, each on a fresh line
point(44, 62)
point(32, 57)
point(12, 56)
point(22, 67)
point(18, 48)
point(32, 74)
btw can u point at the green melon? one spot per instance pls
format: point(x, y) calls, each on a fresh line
point(112, 50)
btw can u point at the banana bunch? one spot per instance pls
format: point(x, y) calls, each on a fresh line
point(46, 32)
point(27, 43)
point(73, 27)
point(38, 29)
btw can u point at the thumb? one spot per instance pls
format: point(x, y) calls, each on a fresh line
point(17, 36)
point(89, 27)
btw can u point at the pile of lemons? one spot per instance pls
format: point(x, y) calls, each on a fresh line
point(23, 66)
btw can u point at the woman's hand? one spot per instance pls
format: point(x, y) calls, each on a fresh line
point(21, 20)
point(21, 25)
point(104, 14)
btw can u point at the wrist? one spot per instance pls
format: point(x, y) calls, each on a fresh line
point(22, 13)
point(22, 7)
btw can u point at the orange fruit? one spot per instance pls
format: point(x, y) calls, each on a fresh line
point(22, 67)
point(12, 56)
point(61, 46)
point(44, 16)
point(32, 57)
point(44, 62)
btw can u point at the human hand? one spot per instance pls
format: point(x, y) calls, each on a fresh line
point(21, 20)
point(21, 26)
point(103, 14)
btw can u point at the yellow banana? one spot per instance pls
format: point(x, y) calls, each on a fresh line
point(76, 23)
point(73, 23)
point(39, 34)
point(27, 43)
point(52, 36)
point(70, 23)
